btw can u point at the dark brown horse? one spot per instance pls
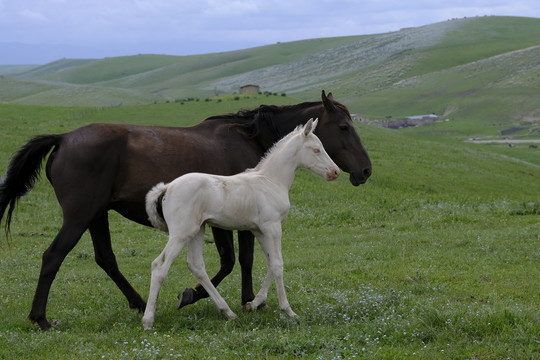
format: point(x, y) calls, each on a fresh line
point(102, 167)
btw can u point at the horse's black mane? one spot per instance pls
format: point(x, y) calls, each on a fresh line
point(246, 115)
point(252, 121)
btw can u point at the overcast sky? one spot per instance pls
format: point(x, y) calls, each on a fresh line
point(101, 28)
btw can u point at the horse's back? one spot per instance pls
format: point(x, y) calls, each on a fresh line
point(119, 163)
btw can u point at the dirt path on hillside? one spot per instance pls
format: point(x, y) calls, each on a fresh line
point(507, 141)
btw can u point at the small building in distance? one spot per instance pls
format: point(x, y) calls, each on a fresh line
point(249, 89)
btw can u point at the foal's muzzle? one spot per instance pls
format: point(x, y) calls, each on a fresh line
point(332, 174)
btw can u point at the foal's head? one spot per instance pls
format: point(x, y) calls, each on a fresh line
point(312, 155)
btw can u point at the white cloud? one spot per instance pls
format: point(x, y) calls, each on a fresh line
point(218, 25)
point(32, 15)
point(237, 8)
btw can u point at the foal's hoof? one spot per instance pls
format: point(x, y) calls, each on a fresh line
point(292, 314)
point(147, 324)
point(185, 298)
point(230, 315)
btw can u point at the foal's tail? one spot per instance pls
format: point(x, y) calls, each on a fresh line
point(23, 172)
point(154, 210)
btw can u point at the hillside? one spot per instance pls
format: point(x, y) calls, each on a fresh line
point(481, 70)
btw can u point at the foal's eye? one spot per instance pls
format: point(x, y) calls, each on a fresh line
point(343, 127)
point(316, 150)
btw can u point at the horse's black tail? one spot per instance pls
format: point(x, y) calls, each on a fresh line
point(23, 172)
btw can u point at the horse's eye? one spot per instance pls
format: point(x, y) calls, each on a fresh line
point(343, 127)
point(316, 150)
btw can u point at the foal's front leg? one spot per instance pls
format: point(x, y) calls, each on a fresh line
point(225, 246)
point(195, 262)
point(270, 242)
point(260, 299)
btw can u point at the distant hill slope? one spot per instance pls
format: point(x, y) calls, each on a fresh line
point(484, 68)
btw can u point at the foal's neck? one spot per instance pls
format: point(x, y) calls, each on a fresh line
point(281, 163)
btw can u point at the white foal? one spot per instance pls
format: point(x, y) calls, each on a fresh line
point(255, 200)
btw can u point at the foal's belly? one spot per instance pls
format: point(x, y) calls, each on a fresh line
point(232, 225)
point(234, 217)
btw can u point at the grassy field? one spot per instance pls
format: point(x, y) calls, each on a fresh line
point(436, 257)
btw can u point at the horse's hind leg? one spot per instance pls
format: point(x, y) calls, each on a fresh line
point(225, 246)
point(246, 241)
point(65, 240)
point(195, 262)
point(101, 238)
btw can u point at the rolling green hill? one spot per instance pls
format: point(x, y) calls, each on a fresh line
point(479, 73)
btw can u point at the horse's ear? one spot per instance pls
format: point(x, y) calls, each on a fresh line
point(328, 101)
point(308, 128)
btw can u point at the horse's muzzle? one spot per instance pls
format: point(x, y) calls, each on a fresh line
point(360, 177)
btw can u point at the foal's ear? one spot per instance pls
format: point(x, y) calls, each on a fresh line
point(310, 126)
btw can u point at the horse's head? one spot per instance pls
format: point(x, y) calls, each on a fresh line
point(341, 141)
point(312, 154)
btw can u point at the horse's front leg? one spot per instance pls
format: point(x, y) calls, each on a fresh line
point(160, 268)
point(225, 246)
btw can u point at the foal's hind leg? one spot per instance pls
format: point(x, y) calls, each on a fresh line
point(160, 268)
point(225, 246)
point(101, 238)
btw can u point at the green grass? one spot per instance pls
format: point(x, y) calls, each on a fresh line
point(435, 257)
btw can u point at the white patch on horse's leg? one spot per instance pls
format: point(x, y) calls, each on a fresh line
point(195, 262)
point(160, 268)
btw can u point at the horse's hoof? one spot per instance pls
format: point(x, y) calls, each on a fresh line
point(42, 323)
point(185, 298)
point(248, 307)
point(140, 306)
